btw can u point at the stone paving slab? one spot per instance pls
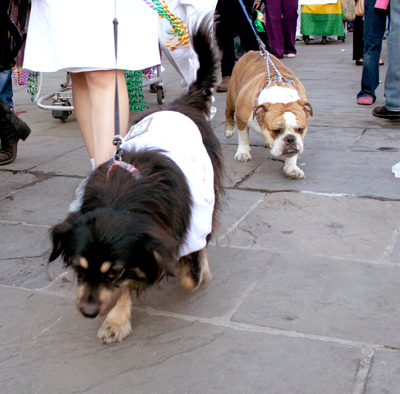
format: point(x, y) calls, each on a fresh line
point(237, 171)
point(385, 140)
point(44, 203)
point(20, 241)
point(37, 150)
point(327, 297)
point(73, 163)
point(315, 224)
point(11, 182)
point(384, 376)
point(164, 355)
point(350, 173)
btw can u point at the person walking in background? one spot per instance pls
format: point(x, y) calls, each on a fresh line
point(391, 109)
point(231, 21)
point(374, 29)
point(280, 25)
point(12, 129)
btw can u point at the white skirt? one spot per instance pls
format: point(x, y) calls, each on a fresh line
point(79, 35)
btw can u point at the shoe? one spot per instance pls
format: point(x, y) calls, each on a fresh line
point(299, 38)
point(359, 62)
point(381, 62)
point(12, 129)
point(224, 85)
point(291, 55)
point(365, 100)
point(383, 112)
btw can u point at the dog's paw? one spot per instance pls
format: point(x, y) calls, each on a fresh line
point(229, 133)
point(193, 275)
point(243, 155)
point(112, 332)
point(294, 172)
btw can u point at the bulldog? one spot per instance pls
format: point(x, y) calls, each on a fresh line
point(277, 110)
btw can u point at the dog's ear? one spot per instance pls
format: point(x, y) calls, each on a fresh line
point(307, 107)
point(261, 111)
point(58, 235)
point(163, 247)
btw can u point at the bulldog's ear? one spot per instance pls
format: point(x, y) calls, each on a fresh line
point(307, 107)
point(261, 111)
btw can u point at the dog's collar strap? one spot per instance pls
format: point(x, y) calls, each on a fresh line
point(275, 78)
point(126, 166)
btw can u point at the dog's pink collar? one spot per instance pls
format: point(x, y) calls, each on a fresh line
point(126, 166)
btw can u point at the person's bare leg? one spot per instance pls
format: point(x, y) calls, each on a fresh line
point(101, 88)
point(82, 108)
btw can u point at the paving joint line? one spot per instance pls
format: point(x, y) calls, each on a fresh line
point(226, 322)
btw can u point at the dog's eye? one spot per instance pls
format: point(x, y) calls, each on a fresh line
point(300, 131)
point(114, 273)
point(276, 132)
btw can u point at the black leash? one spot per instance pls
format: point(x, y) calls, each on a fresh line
point(117, 135)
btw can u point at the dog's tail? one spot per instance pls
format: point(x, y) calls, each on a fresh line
point(200, 91)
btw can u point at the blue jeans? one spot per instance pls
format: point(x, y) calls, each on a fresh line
point(392, 81)
point(374, 29)
point(6, 91)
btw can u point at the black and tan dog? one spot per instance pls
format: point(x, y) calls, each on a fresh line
point(152, 213)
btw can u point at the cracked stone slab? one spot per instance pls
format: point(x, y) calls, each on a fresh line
point(24, 272)
point(19, 241)
point(237, 171)
point(44, 203)
point(327, 297)
point(234, 272)
point(236, 205)
point(384, 375)
point(385, 140)
point(331, 138)
point(349, 173)
point(343, 227)
point(37, 150)
point(74, 163)
point(350, 119)
point(47, 328)
point(12, 181)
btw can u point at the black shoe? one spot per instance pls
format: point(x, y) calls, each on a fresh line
point(383, 112)
point(12, 129)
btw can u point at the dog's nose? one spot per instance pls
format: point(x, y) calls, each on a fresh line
point(290, 139)
point(90, 310)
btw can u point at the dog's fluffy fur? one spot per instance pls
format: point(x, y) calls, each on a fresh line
point(127, 234)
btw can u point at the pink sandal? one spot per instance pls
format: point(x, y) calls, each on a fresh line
point(365, 100)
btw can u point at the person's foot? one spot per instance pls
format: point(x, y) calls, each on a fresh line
point(383, 112)
point(365, 100)
point(360, 62)
point(381, 62)
point(224, 85)
point(291, 55)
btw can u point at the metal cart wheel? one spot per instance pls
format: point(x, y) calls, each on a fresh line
point(324, 40)
point(60, 114)
point(306, 39)
point(160, 95)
